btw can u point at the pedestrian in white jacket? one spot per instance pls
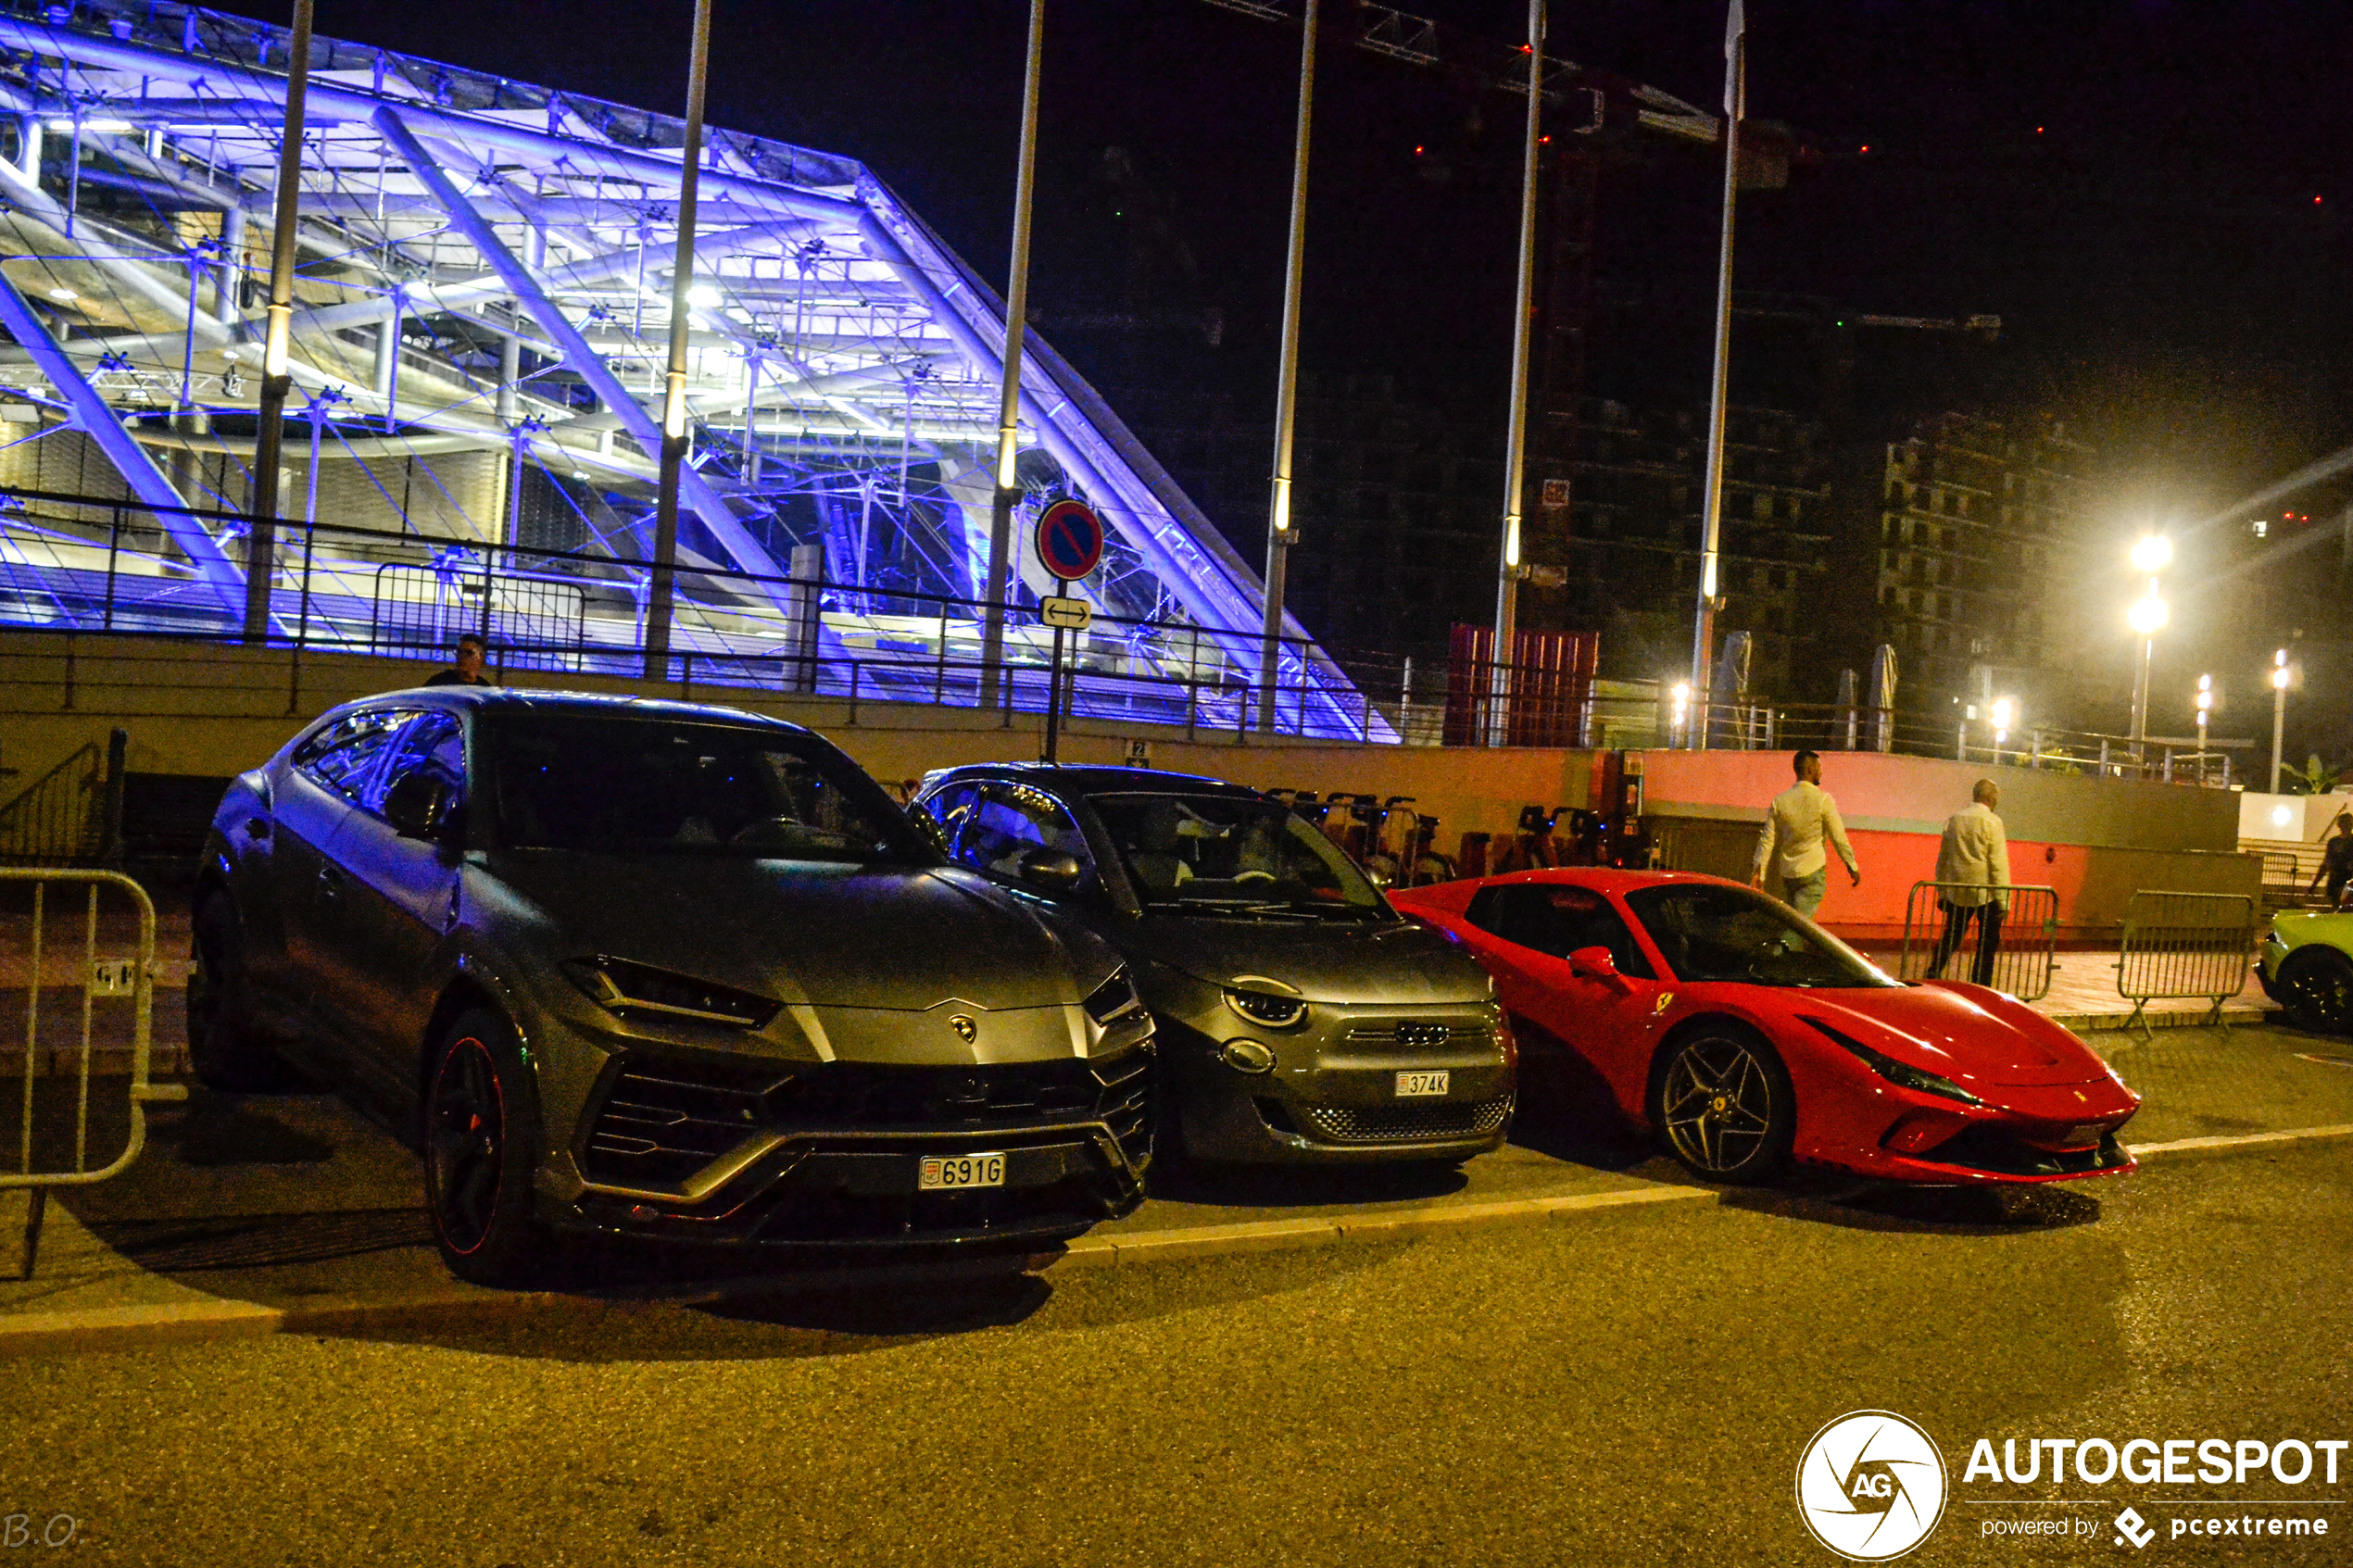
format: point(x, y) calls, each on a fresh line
point(1973, 881)
point(1801, 820)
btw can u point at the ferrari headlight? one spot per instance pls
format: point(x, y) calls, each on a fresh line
point(619, 985)
point(1259, 1007)
point(1901, 1073)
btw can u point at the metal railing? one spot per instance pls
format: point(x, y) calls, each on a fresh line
point(59, 816)
point(2010, 943)
point(98, 978)
point(78, 563)
point(2184, 946)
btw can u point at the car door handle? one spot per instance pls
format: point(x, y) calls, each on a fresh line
point(257, 827)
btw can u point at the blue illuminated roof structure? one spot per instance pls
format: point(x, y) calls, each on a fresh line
point(481, 326)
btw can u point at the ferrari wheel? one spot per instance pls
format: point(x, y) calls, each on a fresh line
point(2316, 986)
point(1724, 1102)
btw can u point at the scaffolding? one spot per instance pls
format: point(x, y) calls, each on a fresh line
point(482, 315)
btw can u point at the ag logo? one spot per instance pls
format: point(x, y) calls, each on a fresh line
point(1870, 1486)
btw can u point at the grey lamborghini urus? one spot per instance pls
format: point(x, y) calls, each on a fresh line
point(1302, 1020)
point(661, 970)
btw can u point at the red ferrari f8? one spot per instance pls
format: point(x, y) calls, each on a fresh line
point(1746, 1037)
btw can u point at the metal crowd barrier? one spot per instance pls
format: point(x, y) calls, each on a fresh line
point(2024, 953)
point(108, 976)
point(2182, 947)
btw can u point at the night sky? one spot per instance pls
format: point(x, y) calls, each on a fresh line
point(2150, 195)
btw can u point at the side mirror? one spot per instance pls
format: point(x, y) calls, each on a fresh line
point(418, 805)
point(1051, 871)
point(1594, 964)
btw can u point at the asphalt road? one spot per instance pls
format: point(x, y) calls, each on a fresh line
point(1634, 1386)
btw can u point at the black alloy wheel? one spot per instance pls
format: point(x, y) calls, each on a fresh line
point(1724, 1102)
point(2316, 986)
point(223, 1047)
point(482, 1143)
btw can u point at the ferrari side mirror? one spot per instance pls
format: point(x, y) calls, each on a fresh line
point(1592, 963)
point(1596, 963)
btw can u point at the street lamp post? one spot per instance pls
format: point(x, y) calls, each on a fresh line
point(2205, 713)
point(2147, 617)
point(2280, 679)
point(1007, 495)
point(1712, 500)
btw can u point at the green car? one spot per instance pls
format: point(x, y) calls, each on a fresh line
point(2307, 967)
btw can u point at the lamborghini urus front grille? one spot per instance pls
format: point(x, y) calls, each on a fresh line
point(663, 1119)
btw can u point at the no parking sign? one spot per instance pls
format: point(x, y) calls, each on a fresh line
point(1069, 540)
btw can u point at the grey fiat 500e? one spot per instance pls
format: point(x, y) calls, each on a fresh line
point(1301, 1019)
point(662, 970)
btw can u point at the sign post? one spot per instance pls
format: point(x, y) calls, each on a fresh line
point(1069, 542)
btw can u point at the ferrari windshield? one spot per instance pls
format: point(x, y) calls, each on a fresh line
point(590, 782)
point(1708, 930)
point(1213, 852)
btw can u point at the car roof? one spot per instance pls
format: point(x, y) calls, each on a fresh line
point(1085, 779)
point(490, 699)
point(1606, 879)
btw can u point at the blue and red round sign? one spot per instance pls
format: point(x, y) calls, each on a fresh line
point(1069, 540)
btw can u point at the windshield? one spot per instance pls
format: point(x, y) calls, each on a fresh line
point(1208, 851)
point(588, 782)
point(1709, 932)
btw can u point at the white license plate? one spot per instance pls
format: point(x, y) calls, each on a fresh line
point(963, 1171)
point(1410, 1085)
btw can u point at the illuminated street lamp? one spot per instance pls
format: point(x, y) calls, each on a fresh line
point(2280, 676)
point(2003, 713)
point(2205, 713)
point(1683, 695)
point(2151, 554)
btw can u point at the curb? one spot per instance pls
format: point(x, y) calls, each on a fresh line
point(129, 1328)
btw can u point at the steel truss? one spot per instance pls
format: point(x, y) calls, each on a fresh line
point(481, 308)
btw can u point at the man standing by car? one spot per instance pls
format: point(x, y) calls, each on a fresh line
point(2336, 862)
point(1972, 880)
point(473, 649)
point(1796, 825)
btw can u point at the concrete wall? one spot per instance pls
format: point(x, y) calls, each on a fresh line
point(1916, 794)
point(202, 708)
point(205, 709)
point(2290, 819)
point(2096, 840)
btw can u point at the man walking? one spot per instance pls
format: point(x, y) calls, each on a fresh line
point(1972, 879)
point(1800, 821)
point(2336, 862)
